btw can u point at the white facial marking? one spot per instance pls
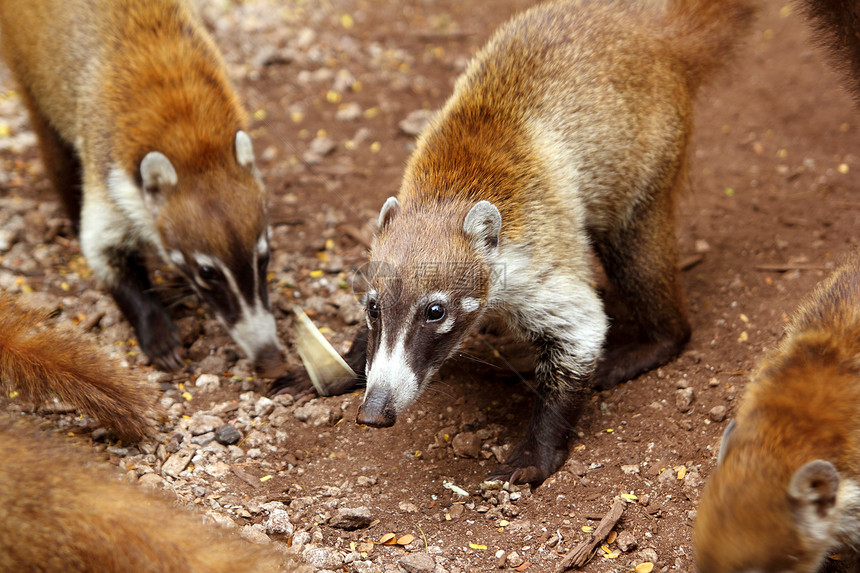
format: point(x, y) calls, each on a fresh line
point(447, 325)
point(244, 149)
point(176, 258)
point(470, 304)
point(262, 245)
point(391, 373)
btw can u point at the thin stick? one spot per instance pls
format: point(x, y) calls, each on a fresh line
point(579, 555)
point(783, 267)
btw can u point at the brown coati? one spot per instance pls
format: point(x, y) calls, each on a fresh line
point(61, 513)
point(786, 490)
point(39, 360)
point(837, 28)
point(568, 131)
point(145, 139)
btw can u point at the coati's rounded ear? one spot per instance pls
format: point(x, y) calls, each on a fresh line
point(244, 149)
point(156, 172)
point(389, 210)
point(814, 485)
point(726, 442)
point(483, 224)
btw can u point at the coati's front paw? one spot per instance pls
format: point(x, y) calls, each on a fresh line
point(295, 383)
point(161, 344)
point(531, 464)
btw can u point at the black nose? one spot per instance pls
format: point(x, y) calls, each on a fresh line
point(270, 362)
point(376, 413)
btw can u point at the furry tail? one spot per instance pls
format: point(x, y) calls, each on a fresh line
point(837, 27)
point(39, 361)
point(706, 33)
point(59, 513)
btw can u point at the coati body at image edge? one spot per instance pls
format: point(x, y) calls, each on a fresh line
point(567, 131)
point(786, 490)
point(144, 138)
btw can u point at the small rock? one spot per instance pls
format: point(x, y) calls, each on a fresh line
point(407, 507)
point(717, 413)
point(322, 557)
point(255, 534)
point(514, 560)
point(227, 435)
point(212, 364)
point(350, 519)
point(466, 445)
point(626, 541)
point(365, 481)
point(630, 469)
point(315, 413)
point(319, 148)
point(692, 480)
point(207, 382)
point(684, 399)
point(648, 554)
point(177, 462)
point(278, 522)
point(667, 476)
point(418, 562)
point(577, 468)
point(456, 511)
point(263, 407)
point(203, 423)
point(348, 112)
point(152, 481)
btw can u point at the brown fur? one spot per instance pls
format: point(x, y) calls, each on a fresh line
point(40, 360)
point(107, 84)
point(573, 124)
point(803, 404)
point(837, 28)
point(59, 512)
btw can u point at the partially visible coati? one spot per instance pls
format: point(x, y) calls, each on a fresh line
point(143, 136)
point(39, 360)
point(60, 513)
point(786, 490)
point(567, 131)
point(837, 27)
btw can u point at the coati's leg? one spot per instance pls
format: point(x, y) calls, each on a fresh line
point(298, 382)
point(560, 395)
point(155, 331)
point(112, 250)
point(641, 260)
point(61, 161)
point(567, 323)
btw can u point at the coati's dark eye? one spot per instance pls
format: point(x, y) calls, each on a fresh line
point(372, 310)
point(435, 312)
point(208, 274)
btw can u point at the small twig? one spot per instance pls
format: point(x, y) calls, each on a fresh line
point(579, 555)
point(92, 321)
point(783, 267)
point(246, 477)
point(688, 263)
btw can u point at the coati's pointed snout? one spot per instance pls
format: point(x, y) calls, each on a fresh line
point(376, 411)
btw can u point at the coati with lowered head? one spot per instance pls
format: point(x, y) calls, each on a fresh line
point(39, 360)
point(59, 513)
point(145, 139)
point(567, 131)
point(786, 490)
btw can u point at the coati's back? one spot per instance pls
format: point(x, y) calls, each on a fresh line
point(786, 490)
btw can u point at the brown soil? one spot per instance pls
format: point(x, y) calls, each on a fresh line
point(770, 209)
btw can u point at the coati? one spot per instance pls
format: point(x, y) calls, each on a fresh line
point(567, 131)
point(59, 512)
point(786, 490)
point(39, 360)
point(143, 136)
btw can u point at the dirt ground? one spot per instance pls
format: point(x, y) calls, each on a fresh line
point(771, 207)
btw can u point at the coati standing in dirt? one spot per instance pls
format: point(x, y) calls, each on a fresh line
point(39, 360)
point(568, 130)
point(59, 513)
point(786, 490)
point(145, 139)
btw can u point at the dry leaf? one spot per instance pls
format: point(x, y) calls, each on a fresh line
point(645, 567)
point(523, 567)
point(478, 546)
point(406, 539)
point(388, 539)
point(611, 537)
